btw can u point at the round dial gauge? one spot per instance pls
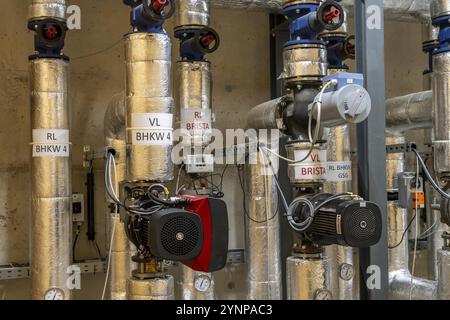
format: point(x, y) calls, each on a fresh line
point(322, 294)
point(54, 294)
point(346, 271)
point(202, 283)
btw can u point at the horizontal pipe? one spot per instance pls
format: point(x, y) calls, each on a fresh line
point(410, 112)
point(400, 10)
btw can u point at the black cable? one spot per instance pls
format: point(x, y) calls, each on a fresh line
point(98, 248)
point(245, 202)
point(74, 246)
point(404, 233)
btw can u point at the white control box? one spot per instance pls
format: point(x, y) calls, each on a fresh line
point(200, 163)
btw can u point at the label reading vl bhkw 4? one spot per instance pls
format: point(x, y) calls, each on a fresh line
point(152, 129)
point(51, 143)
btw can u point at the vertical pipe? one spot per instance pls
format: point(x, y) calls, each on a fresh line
point(343, 286)
point(120, 265)
point(50, 178)
point(308, 278)
point(263, 235)
point(402, 284)
point(50, 165)
point(149, 105)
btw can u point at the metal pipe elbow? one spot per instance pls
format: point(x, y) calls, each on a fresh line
point(115, 119)
point(404, 286)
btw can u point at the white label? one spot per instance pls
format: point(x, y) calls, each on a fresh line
point(51, 143)
point(313, 168)
point(339, 171)
point(152, 129)
point(196, 120)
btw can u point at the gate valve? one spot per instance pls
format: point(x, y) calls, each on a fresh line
point(155, 9)
point(195, 43)
point(331, 15)
point(49, 37)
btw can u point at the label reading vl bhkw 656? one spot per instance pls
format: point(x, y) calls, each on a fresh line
point(152, 129)
point(51, 143)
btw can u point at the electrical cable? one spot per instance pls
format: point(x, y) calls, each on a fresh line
point(112, 194)
point(242, 183)
point(413, 269)
point(109, 258)
point(404, 232)
point(74, 245)
point(429, 177)
point(312, 138)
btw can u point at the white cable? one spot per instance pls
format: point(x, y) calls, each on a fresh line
point(286, 206)
point(177, 190)
point(113, 229)
point(416, 233)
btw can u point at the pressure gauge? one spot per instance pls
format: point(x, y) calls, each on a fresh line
point(322, 294)
point(346, 271)
point(202, 283)
point(54, 294)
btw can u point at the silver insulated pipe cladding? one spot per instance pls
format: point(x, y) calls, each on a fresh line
point(149, 107)
point(263, 234)
point(51, 180)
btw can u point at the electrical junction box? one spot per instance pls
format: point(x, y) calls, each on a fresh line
point(77, 207)
point(410, 193)
point(203, 163)
point(344, 79)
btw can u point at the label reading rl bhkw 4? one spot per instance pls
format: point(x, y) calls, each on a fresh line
point(51, 143)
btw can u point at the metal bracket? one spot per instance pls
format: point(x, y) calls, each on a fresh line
point(401, 148)
point(15, 271)
point(236, 256)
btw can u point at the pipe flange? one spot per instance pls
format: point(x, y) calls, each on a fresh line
point(304, 63)
point(289, 3)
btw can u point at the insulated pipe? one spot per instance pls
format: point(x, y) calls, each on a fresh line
point(403, 285)
point(263, 234)
point(149, 105)
point(308, 278)
point(51, 188)
point(410, 112)
point(341, 259)
point(151, 289)
point(120, 265)
point(195, 119)
point(42, 9)
point(403, 10)
point(443, 263)
point(441, 109)
point(51, 183)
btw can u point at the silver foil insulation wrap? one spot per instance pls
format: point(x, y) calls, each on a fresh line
point(187, 286)
point(441, 109)
point(50, 180)
point(402, 285)
point(410, 112)
point(42, 9)
point(195, 103)
point(404, 10)
point(149, 107)
point(304, 63)
point(308, 279)
point(263, 235)
point(443, 275)
point(151, 289)
point(192, 13)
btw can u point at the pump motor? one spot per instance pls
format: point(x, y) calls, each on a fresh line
point(328, 219)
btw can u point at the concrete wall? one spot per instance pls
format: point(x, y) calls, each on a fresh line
point(241, 80)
